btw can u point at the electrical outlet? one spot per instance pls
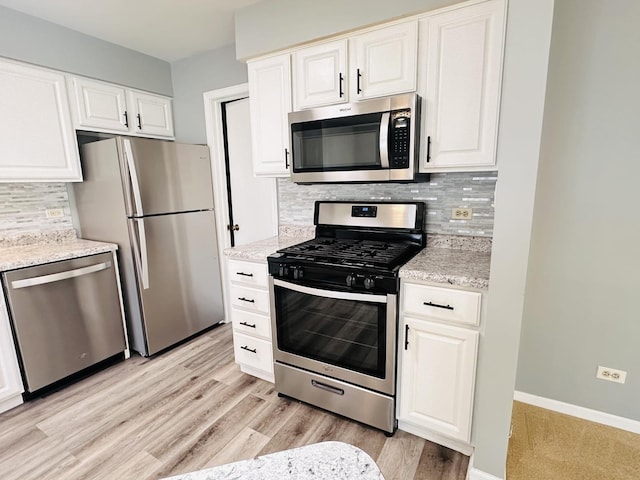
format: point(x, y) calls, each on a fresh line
point(611, 374)
point(462, 213)
point(54, 212)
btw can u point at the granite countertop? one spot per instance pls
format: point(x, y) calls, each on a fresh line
point(36, 249)
point(320, 461)
point(260, 250)
point(450, 266)
point(448, 259)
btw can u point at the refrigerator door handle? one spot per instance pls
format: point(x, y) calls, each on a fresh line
point(140, 252)
point(133, 175)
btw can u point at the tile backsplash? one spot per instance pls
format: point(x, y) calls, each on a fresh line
point(442, 193)
point(23, 207)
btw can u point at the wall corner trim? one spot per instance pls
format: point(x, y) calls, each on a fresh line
point(597, 416)
point(475, 474)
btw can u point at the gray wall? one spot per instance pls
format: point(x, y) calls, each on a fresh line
point(270, 25)
point(29, 39)
point(191, 78)
point(581, 305)
point(298, 21)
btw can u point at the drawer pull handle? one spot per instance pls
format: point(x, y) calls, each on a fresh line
point(430, 304)
point(250, 300)
point(245, 274)
point(252, 350)
point(252, 325)
point(328, 388)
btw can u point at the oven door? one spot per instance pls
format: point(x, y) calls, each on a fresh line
point(343, 335)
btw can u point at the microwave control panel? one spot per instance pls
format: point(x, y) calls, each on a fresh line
point(400, 139)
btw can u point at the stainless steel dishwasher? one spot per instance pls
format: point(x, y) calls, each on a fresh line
point(65, 315)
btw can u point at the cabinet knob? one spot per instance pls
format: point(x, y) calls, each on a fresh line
point(233, 228)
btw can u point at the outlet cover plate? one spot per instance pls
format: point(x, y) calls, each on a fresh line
point(611, 374)
point(462, 213)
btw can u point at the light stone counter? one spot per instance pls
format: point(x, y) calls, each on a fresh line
point(37, 249)
point(321, 461)
point(448, 259)
point(260, 250)
point(463, 268)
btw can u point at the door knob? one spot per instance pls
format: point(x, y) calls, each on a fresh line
point(233, 228)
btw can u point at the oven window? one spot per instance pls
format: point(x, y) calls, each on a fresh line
point(348, 143)
point(346, 333)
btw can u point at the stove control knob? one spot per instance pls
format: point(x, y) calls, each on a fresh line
point(297, 273)
point(351, 280)
point(283, 271)
point(369, 283)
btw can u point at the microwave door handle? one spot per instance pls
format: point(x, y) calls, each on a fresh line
point(384, 140)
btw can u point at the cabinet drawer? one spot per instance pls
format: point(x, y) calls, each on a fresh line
point(250, 299)
point(248, 273)
point(442, 303)
point(251, 323)
point(253, 352)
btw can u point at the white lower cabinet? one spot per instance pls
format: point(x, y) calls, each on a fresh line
point(10, 381)
point(438, 363)
point(250, 315)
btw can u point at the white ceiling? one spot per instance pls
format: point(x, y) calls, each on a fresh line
point(166, 29)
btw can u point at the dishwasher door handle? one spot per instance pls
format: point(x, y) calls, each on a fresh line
point(56, 277)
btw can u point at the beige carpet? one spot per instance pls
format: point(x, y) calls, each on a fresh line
point(546, 445)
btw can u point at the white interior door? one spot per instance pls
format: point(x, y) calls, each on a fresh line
point(252, 199)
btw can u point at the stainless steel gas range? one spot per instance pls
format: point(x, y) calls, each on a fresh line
point(335, 311)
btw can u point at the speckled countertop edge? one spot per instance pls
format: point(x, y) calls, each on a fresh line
point(320, 461)
point(260, 250)
point(45, 247)
point(448, 259)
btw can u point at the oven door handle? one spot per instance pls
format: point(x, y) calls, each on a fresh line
point(362, 297)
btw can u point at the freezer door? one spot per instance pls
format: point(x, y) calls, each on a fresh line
point(165, 177)
point(178, 276)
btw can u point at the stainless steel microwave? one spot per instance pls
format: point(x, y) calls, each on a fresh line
point(368, 141)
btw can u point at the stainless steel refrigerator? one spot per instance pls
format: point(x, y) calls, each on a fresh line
point(154, 198)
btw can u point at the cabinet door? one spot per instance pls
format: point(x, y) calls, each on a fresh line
point(10, 381)
point(151, 114)
point(38, 141)
point(270, 102)
point(99, 105)
point(438, 376)
point(461, 54)
point(384, 62)
point(319, 75)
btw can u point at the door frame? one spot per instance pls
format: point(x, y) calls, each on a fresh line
point(213, 101)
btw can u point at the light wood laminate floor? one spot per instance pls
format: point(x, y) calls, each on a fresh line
point(184, 410)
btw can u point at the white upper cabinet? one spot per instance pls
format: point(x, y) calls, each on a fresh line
point(99, 104)
point(270, 103)
point(37, 140)
point(384, 61)
point(320, 75)
point(104, 107)
point(152, 114)
point(460, 76)
point(373, 64)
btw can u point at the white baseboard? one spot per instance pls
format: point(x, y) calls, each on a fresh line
point(622, 423)
point(475, 474)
